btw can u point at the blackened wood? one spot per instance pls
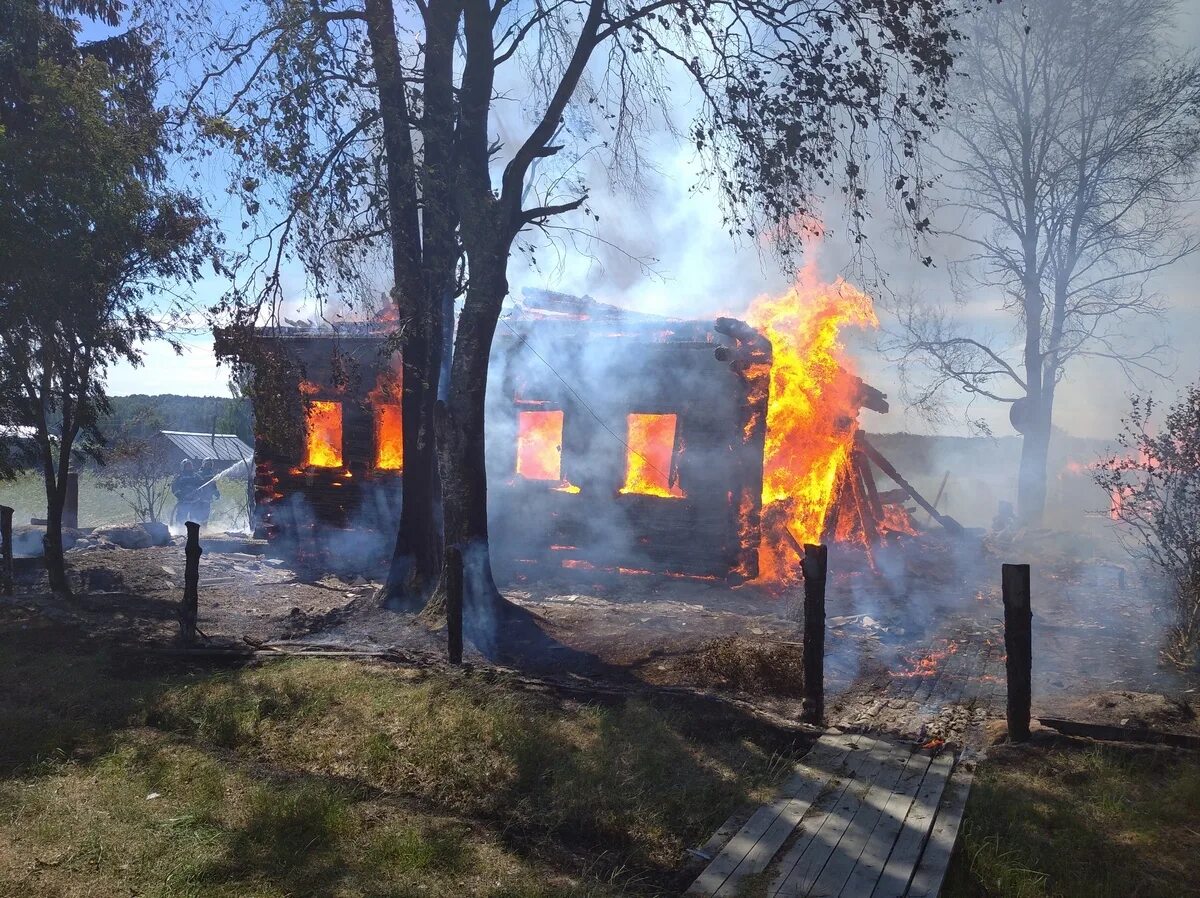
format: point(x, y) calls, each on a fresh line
point(793, 542)
point(941, 489)
point(1121, 734)
point(70, 515)
point(6, 550)
point(833, 514)
point(1018, 643)
point(191, 584)
point(452, 576)
point(893, 497)
point(886, 466)
point(814, 566)
point(868, 479)
point(866, 512)
point(868, 397)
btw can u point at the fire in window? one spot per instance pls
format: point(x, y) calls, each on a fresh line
point(650, 460)
point(389, 438)
point(539, 445)
point(389, 422)
point(323, 443)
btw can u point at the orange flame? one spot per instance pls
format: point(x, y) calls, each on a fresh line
point(389, 437)
point(929, 664)
point(649, 461)
point(323, 434)
point(539, 445)
point(811, 415)
point(385, 401)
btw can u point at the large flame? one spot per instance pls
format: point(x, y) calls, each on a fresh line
point(811, 416)
point(385, 401)
point(389, 437)
point(539, 444)
point(323, 434)
point(649, 460)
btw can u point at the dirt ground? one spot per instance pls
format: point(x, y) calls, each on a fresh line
point(914, 645)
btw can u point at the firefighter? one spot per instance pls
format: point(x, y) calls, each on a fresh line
point(183, 487)
point(206, 492)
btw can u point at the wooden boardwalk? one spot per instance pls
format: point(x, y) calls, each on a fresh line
point(860, 817)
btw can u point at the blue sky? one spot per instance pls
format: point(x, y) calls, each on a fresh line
point(699, 272)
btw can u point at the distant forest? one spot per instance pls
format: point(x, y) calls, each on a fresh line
point(141, 415)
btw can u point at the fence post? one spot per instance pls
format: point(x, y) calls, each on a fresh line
point(814, 566)
point(6, 550)
point(453, 574)
point(191, 584)
point(1018, 643)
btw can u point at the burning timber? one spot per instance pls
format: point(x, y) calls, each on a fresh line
point(617, 441)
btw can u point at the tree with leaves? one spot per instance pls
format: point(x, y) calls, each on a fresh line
point(87, 237)
point(1154, 481)
point(139, 466)
point(1073, 153)
point(369, 123)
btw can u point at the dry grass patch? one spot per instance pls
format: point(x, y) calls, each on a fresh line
point(748, 665)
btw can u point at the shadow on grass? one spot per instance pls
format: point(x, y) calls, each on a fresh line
point(1075, 819)
point(572, 789)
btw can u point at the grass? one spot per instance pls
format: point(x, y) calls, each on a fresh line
point(322, 777)
point(748, 665)
point(27, 496)
point(1081, 822)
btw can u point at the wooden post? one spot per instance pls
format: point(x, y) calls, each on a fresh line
point(1018, 642)
point(814, 566)
point(6, 550)
point(191, 583)
point(70, 516)
point(453, 573)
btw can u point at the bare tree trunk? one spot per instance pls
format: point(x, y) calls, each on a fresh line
point(1031, 477)
point(462, 451)
point(416, 557)
point(52, 542)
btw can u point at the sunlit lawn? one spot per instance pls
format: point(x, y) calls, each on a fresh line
point(1081, 822)
point(336, 778)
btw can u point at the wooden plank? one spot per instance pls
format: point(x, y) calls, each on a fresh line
point(795, 796)
point(850, 847)
point(883, 837)
point(772, 840)
point(935, 859)
point(898, 870)
point(801, 867)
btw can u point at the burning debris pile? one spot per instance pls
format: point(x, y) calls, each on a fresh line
point(617, 441)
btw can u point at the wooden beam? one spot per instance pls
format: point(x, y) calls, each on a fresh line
point(814, 566)
point(1111, 733)
point(868, 476)
point(188, 609)
point(886, 466)
point(1018, 643)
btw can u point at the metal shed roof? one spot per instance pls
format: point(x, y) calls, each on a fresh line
point(221, 446)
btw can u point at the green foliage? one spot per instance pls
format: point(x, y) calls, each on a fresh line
point(142, 416)
point(89, 237)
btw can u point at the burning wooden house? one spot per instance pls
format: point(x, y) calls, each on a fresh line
point(615, 441)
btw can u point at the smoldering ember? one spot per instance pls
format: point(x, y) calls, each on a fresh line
point(527, 449)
